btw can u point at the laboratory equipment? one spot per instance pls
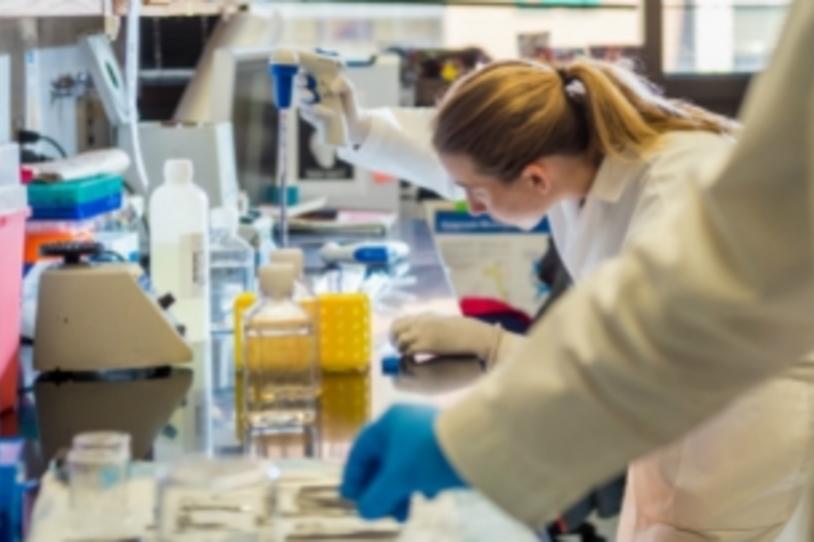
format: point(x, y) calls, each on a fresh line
point(77, 199)
point(97, 317)
point(13, 214)
point(119, 93)
point(46, 232)
point(322, 70)
point(218, 500)
point(137, 403)
point(345, 336)
point(107, 77)
point(243, 303)
point(98, 484)
point(280, 364)
point(283, 67)
point(244, 97)
point(365, 252)
point(179, 247)
point(342, 324)
point(237, 30)
point(232, 267)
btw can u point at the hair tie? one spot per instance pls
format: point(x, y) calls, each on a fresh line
point(565, 77)
point(572, 86)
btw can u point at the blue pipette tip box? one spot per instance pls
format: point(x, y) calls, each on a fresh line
point(391, 365)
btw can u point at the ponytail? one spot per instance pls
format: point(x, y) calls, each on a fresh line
point(625, 112)
point(509, 114)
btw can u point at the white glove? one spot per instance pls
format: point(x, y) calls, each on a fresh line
point(434, 334)
point(317, 114)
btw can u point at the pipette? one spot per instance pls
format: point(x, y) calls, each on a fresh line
point(322, 70)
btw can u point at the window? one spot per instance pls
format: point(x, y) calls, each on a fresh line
point(497, 26)
point(720, 36)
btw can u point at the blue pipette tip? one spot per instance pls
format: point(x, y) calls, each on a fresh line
point(282, 76)
point(391, 365)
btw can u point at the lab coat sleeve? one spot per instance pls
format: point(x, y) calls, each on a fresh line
point(717, 297)
point(399, 143)
point(510, 345)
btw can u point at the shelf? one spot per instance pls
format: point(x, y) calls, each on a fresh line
point(50, 8)
point(181, 8)
point(10, 9)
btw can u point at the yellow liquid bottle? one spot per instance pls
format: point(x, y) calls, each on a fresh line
point(280, 363)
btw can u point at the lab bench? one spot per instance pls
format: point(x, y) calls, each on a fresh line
point(205, 387)
point(147, 405)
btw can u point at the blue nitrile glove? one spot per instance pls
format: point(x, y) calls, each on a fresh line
point(394, 457)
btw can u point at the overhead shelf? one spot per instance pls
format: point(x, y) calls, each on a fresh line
point(99, 8)
point(534, 4)
point(51, 8)
point(175, 8)
point(180, 8)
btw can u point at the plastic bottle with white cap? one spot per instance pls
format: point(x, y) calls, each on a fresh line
point(281, 369)
point(179, 247)
point(231, 267)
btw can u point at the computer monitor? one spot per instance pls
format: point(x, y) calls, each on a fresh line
point(243, 96)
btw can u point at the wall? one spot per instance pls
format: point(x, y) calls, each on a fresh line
point(36, 53)
point(5, 97)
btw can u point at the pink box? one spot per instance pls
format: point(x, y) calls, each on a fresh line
point(12, 234)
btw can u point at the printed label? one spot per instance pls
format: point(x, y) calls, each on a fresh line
point(194, 265)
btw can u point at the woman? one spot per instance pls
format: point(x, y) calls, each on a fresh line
point(594, 149)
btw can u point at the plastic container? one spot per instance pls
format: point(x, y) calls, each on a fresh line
point(179, 247)
point(83, 211)
point(73, 193)
point(243, 303)
point(345, 336)
point(13, 214)
point(281, 370)
point(42, 233)
point(97, 489)
point(231, 268)
point(75, 200)
point(12, 230)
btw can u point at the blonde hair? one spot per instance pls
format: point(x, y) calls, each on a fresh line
point(511, 113)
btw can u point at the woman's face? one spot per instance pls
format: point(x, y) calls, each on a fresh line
point(521, 203)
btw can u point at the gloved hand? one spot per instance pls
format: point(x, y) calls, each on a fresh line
point(434, 334)
point(394, 457)
point(317, 114)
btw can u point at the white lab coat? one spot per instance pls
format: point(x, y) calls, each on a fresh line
point(739, 476)
point(716, 299)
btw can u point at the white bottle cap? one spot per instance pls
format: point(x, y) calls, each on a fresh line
point(293, 256)
point(178, 170)
point(277, 279)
